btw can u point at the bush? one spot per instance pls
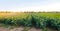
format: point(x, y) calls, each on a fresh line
point(24, 21)
point(27, 21)
point(39, 21)
point(8, 21)
point(54, 22)
point(18, 22)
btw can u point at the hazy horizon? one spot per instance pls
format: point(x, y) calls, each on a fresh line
point(30, 5)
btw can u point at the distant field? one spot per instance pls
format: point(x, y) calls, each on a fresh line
point(49, 14)
point(24, 14)
point(12, 14)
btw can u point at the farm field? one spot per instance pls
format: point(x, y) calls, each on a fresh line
point(39, 20)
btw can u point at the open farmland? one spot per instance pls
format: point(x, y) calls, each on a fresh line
point(21, 14)
point(35, 19)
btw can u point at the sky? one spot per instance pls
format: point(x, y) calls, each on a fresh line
point(29, 5)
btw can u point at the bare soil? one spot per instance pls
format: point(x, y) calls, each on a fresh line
point(4, 29)
point(21, 29)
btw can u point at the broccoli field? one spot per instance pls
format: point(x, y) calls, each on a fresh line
point(31, 19)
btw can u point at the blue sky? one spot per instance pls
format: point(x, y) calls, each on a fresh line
point(29, 5)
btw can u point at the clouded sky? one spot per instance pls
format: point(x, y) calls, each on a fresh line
point(29, 5)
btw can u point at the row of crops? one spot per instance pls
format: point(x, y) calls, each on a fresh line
point(32, 20)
